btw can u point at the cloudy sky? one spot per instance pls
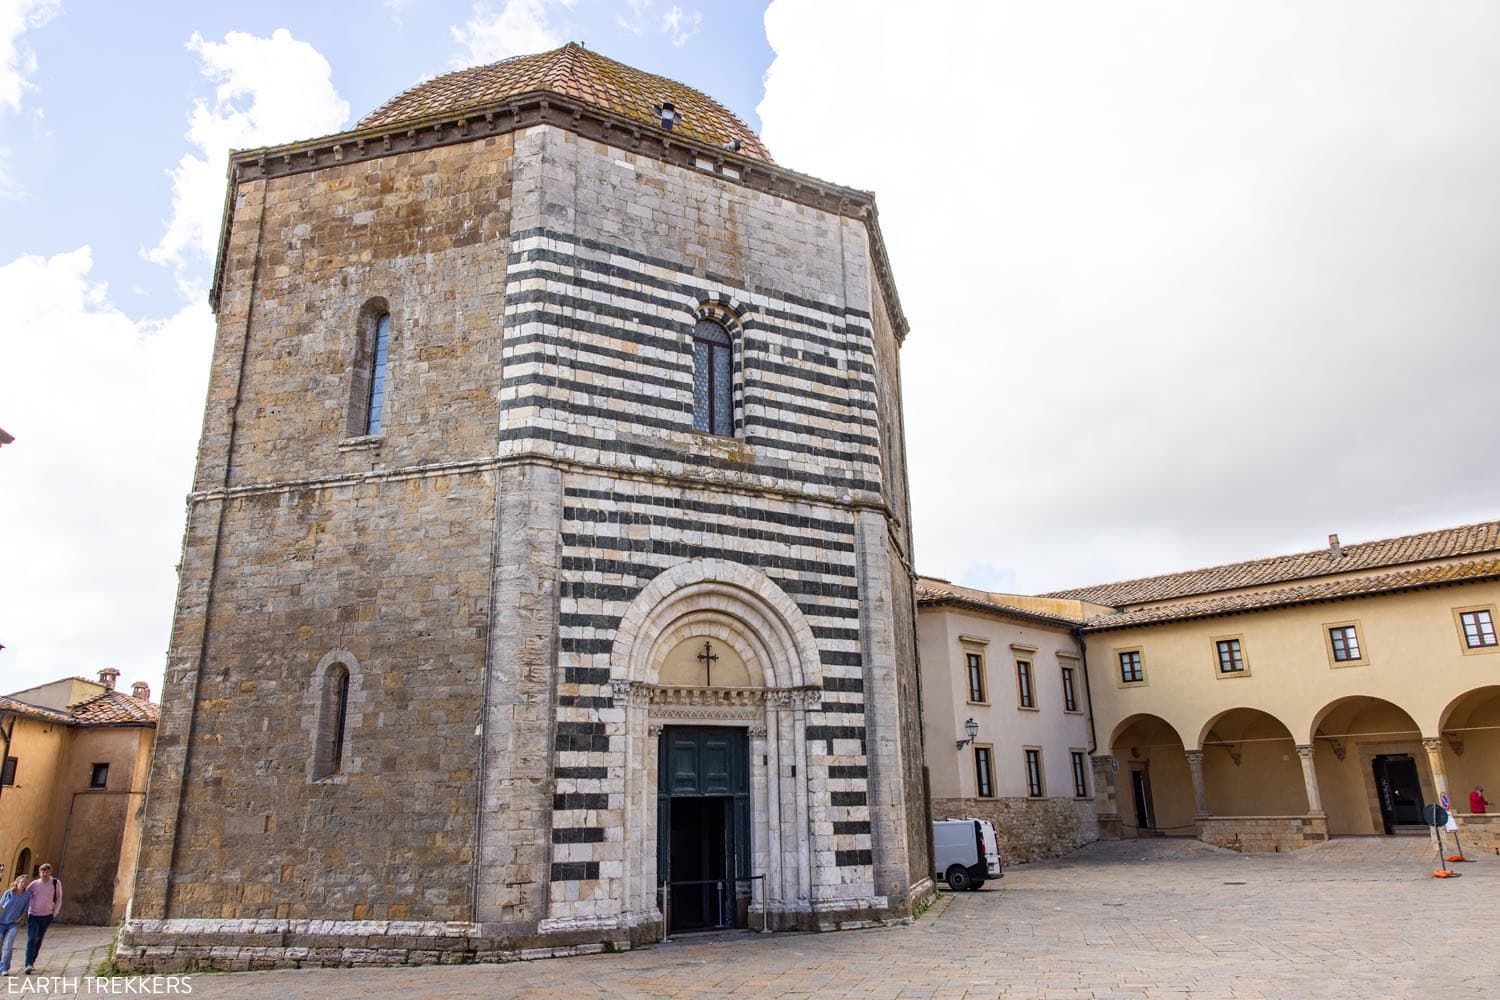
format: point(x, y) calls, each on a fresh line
point(1188, 282)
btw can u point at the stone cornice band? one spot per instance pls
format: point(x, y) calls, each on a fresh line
point(547, 108)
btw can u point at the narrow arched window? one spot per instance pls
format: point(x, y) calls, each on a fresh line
point(340, 691)
point(333, 721)
point(713, 396)
point(378, 363)
point(369, 370)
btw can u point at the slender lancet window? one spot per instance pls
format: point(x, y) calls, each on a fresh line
point(340, 683)
point(333, 721)
point(377, 373)
point(712, 381)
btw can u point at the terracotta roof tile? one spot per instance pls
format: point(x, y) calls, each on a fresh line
point(114, 708)
point(582, 74)
point(31, 711)
point(931, 590)
point(1304, 593)
point(1448, 543)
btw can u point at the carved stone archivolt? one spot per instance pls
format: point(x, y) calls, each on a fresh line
point(712, 702)
point(702, 697)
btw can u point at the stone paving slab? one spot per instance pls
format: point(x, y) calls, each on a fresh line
point(67, 950)
point(1358, 917)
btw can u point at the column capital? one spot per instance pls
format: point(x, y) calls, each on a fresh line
point(1432, 744)
point(1193, 756)
point(1305, 751)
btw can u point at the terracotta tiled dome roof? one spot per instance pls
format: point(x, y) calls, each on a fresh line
point(576, 72)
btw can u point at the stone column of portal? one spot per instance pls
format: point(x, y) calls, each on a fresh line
point(1200, 795)
point(1434, 750)
point(1310, 776)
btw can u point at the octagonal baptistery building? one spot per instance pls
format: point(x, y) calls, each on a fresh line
point(546, 580)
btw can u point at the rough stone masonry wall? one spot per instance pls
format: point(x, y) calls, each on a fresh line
point(564, 329)
point(380, 550)
point(1028, 829)
point(1263, 834)
point(1481, 832)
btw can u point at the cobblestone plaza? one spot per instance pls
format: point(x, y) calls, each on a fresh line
point(1163, 918)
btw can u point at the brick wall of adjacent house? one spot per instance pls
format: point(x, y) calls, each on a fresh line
point(1028, 829)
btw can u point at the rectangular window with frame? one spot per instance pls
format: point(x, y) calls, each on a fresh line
point(99, 776)
point(1479, 628)
point(1034, 773)
point(1070, 690)
point(1345, 639)
point(1231, 656)
point(974, 672)
point(1080, 775)
point(984, 772)
point(8, 773)
point(1023, 684)
point(1131, 671)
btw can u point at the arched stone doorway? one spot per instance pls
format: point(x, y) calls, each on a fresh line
point(1373, 772)
point(711, 645)
point(1251, 767)
point(1153, 785)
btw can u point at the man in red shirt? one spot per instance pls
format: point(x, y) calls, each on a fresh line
point(1477, 801)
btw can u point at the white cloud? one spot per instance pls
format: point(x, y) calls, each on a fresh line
point(681, 24)
point(519, 27)
point(10, 188)
point(1188, 282)
point(636, 22)
point(17, 62)
point(267, 91)
point(106, 412)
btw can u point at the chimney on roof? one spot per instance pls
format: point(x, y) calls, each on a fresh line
point(1334, 548)
point(669, 115)
point(108, 676)
point(141, 690)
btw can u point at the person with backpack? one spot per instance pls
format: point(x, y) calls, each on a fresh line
point(45, 895)
point(13, 907)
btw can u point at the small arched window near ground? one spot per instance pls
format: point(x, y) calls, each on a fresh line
point(713, 380)
point(333, 721)
point(370, 371)
point(23, 862)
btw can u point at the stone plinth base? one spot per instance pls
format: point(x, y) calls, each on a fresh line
point(1263, 834)
point(1028, 829)
point(1480, 832)
point(234, 945)
point(148, 946)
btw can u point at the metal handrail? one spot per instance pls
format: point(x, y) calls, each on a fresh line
point(666, 900)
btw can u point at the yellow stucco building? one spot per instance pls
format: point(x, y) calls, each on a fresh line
point(76, 757)
point(1270, 704)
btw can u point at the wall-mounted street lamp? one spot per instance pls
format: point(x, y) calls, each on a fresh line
point(972, 728)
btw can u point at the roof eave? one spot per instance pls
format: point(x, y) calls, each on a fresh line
point(545, 107)
point(970, 604)
point(1292, 603)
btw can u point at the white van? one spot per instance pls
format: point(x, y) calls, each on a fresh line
point(965, 852)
